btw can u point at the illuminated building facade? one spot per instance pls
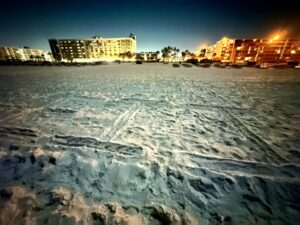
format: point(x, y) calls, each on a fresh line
point(224, 50)
point(276, 50)
point(92, 49)
point(7, 53)
point(255, 50)
point(245, 50)
point(24, 54)
point(210, 52)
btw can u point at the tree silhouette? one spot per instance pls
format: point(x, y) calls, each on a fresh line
point(169, 52)
point(132, 36)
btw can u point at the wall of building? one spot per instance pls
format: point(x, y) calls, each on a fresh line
point(7, 53)
point(24, 54)
point(255, 50)
point(93, 49)
point(224, 49)
point(279, 51)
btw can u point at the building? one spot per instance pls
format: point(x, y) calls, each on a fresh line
point(279, 51)
point(255, 50)
point(224, 49)
point(149, 56)
point(24, 54)
point(10, 54)
point(92, 49)
point(210, 52)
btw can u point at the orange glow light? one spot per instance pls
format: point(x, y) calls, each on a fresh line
point(202, 46)
point(277, 35)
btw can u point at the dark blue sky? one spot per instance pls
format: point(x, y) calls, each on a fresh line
point(185, 24)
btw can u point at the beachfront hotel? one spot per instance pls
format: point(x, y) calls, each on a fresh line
point(93, 49)
point(274, 50)
point(24, 54)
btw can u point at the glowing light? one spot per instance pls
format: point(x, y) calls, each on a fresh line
point(293, 52)
point(202, 46)
point(277, 35)
point(275, 38)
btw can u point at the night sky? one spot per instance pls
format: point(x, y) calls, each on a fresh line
point(184, 24)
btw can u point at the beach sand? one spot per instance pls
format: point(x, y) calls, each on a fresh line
point(149, 144)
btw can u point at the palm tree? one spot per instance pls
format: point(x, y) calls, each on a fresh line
point(183, 54)
point(122, 55)
point(168, 52)
point(132, 36)
point(140, 57)
point(100, 53)
point(175, 52)
point(187, 54)
point(164, 53)
point(128, 55)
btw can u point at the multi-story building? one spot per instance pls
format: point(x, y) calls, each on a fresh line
point(24, 54)
point(92, 49)
point(278, 51)
point(224, 49)
point(255, 50)
point(8, 54)
point(210, 52)
point(245, 50)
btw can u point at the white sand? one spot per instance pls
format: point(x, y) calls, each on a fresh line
point(149, 144)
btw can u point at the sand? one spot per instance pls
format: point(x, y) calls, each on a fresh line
point(149, 144)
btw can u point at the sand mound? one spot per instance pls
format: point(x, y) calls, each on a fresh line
point(60, 206)
point(17, 206)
